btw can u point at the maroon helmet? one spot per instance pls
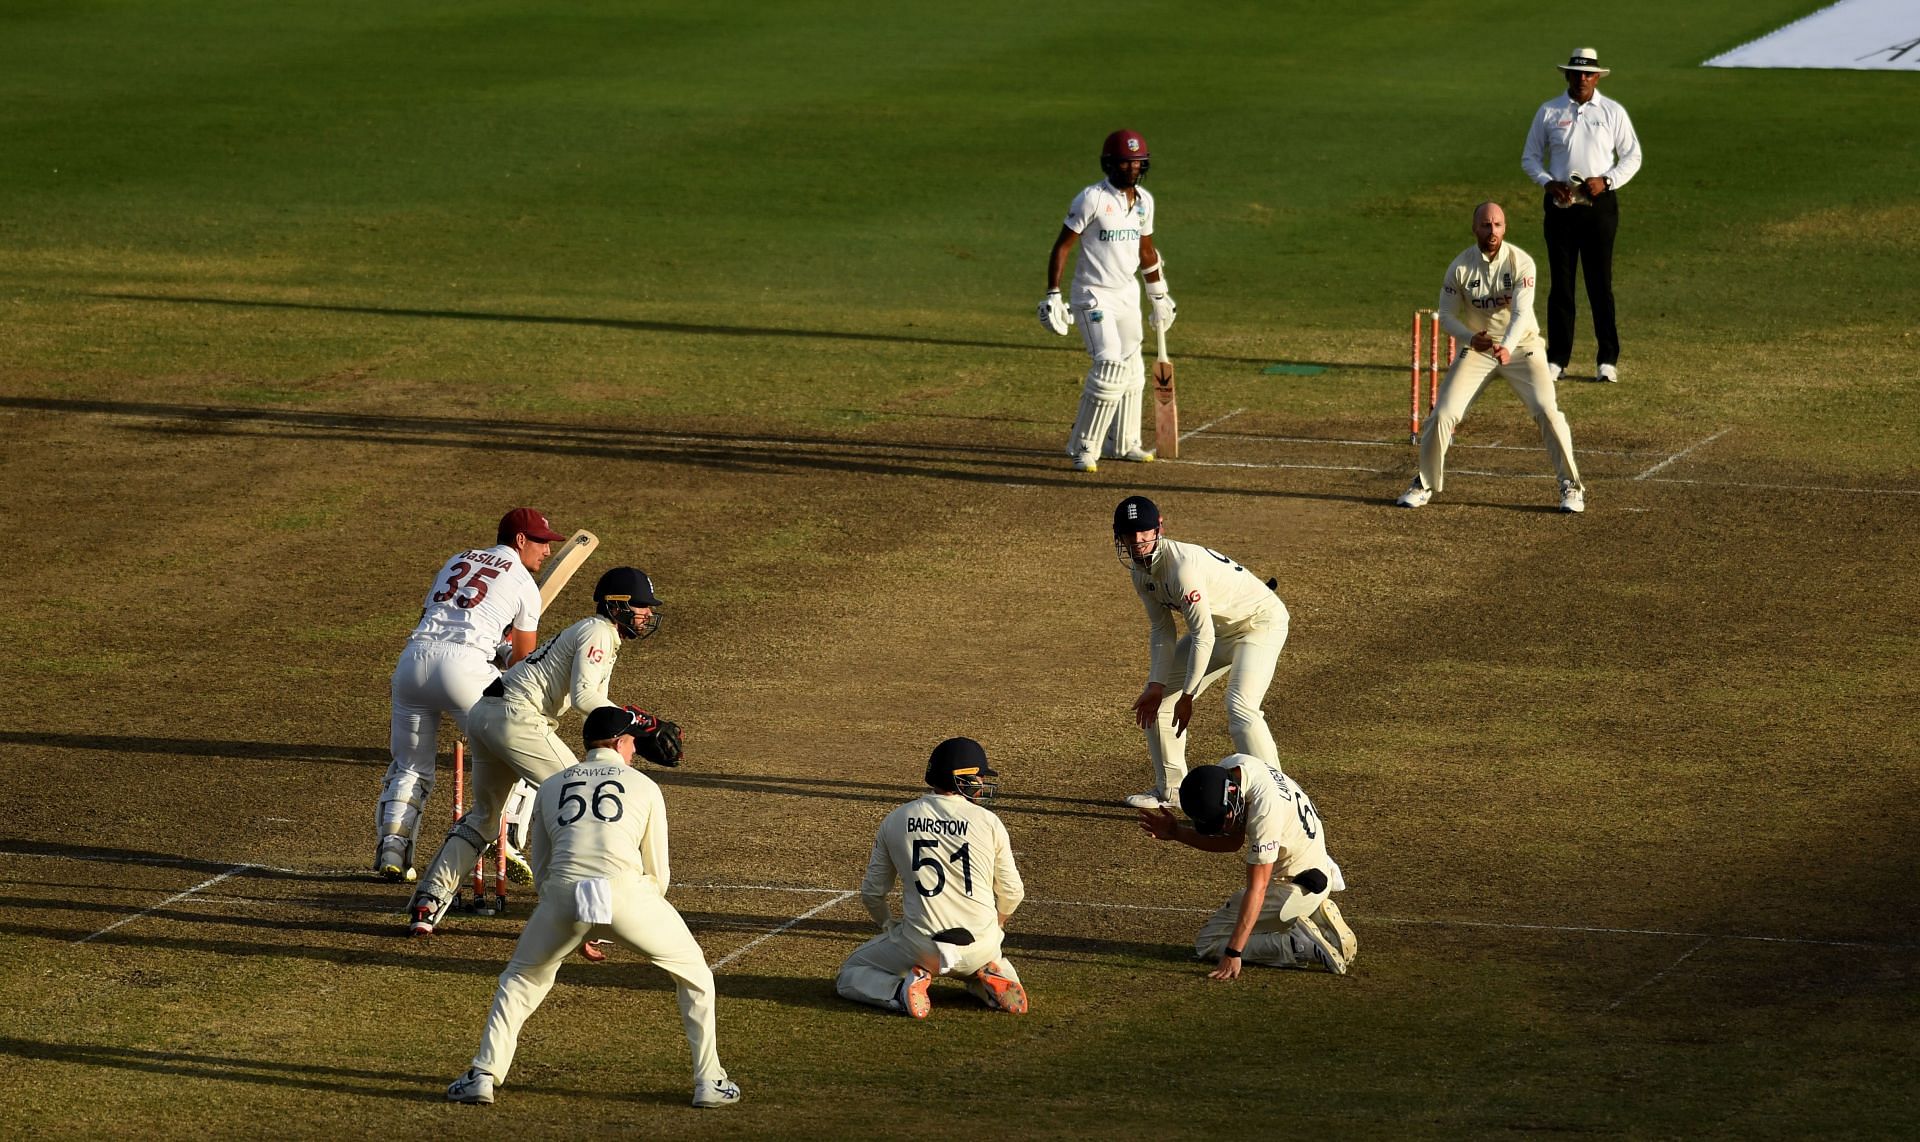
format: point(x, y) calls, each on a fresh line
point(1120, 147)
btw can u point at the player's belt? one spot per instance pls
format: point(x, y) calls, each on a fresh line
point(495, 689)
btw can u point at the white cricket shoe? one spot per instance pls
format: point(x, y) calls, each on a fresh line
point(1329, 918)
point(1556, 371)
point(1085, 464)
point(474, 1087)
point(518, 870)
point(424, 912)
point(1312, 946)
point(1572, 499)
point(1607, 374)
point(1148, 800)
point(719, 1092)
point(1137, 456)
point(1416, 495)
point(391, 861)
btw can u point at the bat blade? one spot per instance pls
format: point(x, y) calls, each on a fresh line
point(563, 566)
point(1166, 407)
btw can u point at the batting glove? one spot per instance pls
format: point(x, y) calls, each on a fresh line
point(1054, 316)
point(1161, 317)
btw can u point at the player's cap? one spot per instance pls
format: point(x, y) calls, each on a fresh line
point(955, 758)
point(629, 584)
point(1123, 145)
point(607, 723)
point(530, 523)
point(1135, 514)
point(1584, 59)
point(1211, 798)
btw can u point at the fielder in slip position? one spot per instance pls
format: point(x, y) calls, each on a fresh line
point(448, 663)
point(1486, 300)
point(1236, 627)
point(1112, 221)
point(598, 842)
point(511, 726)
point(959, 888)
point(1285, 916)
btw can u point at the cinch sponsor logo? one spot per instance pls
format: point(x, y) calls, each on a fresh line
point(1497, 301)
point(1119, 235)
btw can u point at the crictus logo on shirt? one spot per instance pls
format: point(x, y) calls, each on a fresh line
point(1119, 235)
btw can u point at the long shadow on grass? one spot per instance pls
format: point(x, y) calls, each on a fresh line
point(378, 1083)
point(733, 453)
point(683, 328)
point(204, 747)
point(887, 794)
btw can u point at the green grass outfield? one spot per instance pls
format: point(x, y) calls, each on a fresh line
point(749, 288)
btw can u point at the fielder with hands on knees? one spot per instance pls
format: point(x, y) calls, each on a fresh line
point(1581, 148)
point(1285, 916)
point(598, 842)
point(447, 664)
point(1112, 221)
point(512, 726)
point(1486, 300)
point(1236, 628)
point(959, 887)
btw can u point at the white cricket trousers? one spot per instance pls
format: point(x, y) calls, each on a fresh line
point(1527, 372)
point(1271, 942)
point(1247, 660)
point(511, 742)
point(643, 922)
point(431, 678)
point(872, 974)
point(1109, 418)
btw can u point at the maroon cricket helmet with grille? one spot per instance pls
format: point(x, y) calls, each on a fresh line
point(1122, 146)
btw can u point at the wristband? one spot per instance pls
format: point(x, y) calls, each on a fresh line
point(1231, 952)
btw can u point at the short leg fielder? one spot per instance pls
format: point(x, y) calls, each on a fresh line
point(643, 922)
point(428, 681)
point(875, 970)
point(1111, 328)
point(1247, 662)
point(510, 743)
point(1532, 383)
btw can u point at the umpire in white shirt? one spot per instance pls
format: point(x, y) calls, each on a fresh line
point(1581, 149)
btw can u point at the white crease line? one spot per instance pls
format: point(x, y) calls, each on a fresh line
point(1683, 452)
point(765, 936)
point(1458, 444)
point(1211, 423)
point(1309, 467)
point(1658, 976)
point(207, 883)
point(1784, 487)
point(1642, 932)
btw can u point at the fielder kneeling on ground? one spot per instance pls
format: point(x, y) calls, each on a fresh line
point(958, 890)
point(598, 843)
point(1285, 916)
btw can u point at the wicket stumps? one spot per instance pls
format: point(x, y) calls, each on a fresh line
point(1430, 318)
point(479, 904)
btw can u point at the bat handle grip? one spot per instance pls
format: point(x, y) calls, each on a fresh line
point(1160, 343)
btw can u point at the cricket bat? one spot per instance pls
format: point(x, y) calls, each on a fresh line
point(562, 567)
point(1166, 409)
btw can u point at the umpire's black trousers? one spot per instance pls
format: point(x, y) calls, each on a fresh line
point(1581, 237)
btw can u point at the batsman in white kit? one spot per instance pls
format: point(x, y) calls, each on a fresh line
point(958, 888)
point(1112, 221)
point(598, 843)
point(448, 663)
point(511, 727)
point(1236, 628)
point(1285, 916)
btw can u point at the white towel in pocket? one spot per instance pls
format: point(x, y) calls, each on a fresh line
point(593, 901)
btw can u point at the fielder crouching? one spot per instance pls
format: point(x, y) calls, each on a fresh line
point(959, 887)
point(1285, 917)
point(598, 843)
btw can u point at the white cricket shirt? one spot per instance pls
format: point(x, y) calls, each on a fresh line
point(1283, 827)
point(954, 863)
point(478, 595)
point(1110, 230)
point(1216, 596)
point(571, 669)
point(599, 818)
point(1594, 138)
point(1490, 295)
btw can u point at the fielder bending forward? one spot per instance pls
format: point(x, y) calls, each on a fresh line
point(959, 887)
point(1285, 916)
point(1112, 220)
point(511, 726)
point(1236, 627)
point(478, 594)
point(1486, 300)
point(599, 849)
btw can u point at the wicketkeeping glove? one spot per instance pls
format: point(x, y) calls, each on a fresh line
point(1161, 317)
point(659, 744)
point(1054, 315)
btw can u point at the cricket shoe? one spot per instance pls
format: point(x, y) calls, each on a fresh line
point(1329, 918)
point(426, 911)
point(518, 870)
point(391, 862)
point(475, 1087)
point(1136, 456)
point(1607, 375)
point(998, 991)
point(1572, 499)
point(1085, 464)
point(1148, 800)
point(1416, 495)
point(912, 996)
point(718, 1092)
point(1312, 946)
point(1556, 371)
